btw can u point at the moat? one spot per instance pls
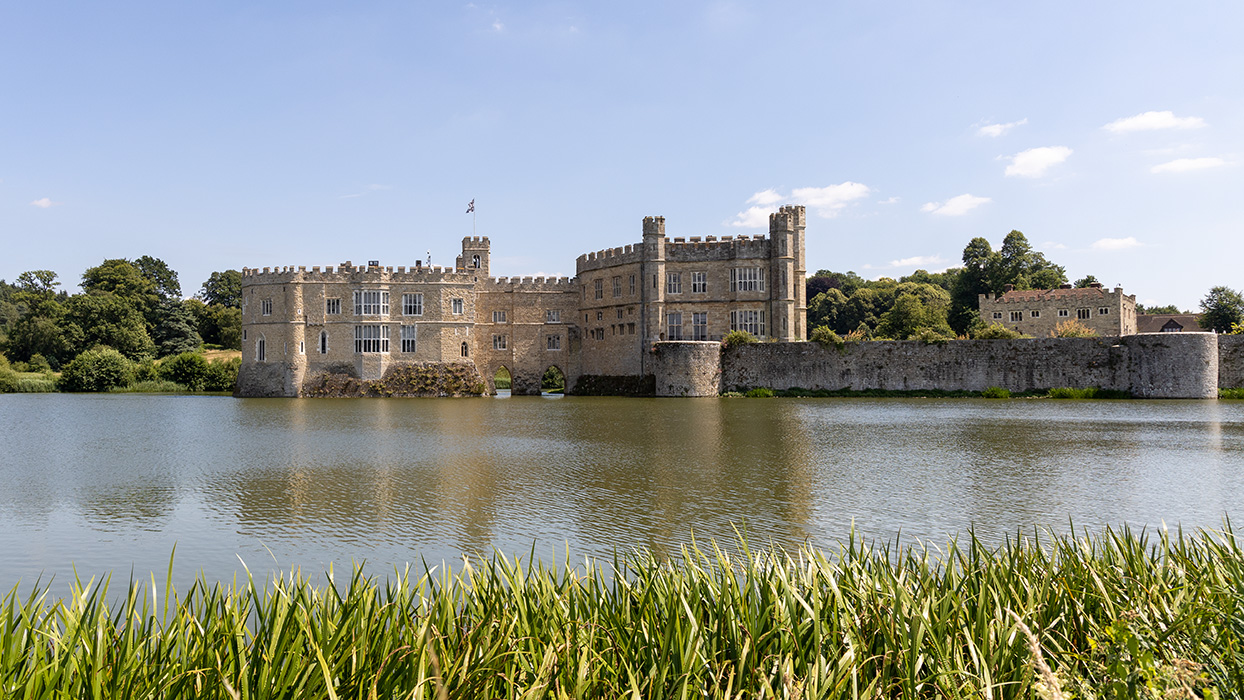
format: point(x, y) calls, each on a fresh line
point(113, 482)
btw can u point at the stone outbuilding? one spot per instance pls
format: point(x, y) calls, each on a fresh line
point(1037, 312)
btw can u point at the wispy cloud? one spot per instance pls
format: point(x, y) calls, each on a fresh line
point(955, 206)
point(1035, 161)
point(1053, 245)
point(826, 202)
point(43, 203)
point(1112, 244)
point(916, 261)
point(1183, 165)
point(891, 200)
point(1150, 121)
point(996, 130)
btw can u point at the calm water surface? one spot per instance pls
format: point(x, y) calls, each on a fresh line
point(114, 482)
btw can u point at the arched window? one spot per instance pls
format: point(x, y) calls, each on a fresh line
point(260, 350)
point(465, 351)
point(323, 342)
point(475, 261)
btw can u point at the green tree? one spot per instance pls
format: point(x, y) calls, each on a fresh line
point(911, 316)
point(969, 284)
point(188, 369)
point(1221, 309)
point(124, 279)
point(1086, 281)
point(1017, 264)
point(824, 308)
point(39, 284)
point(946, 280)
point(1168, 309)
point(161, 276)
point(175, 332)
point(107, 319)
point(44, 329)
point(224, 288)
point(99, 369)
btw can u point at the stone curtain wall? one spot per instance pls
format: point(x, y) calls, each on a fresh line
point(1183, 365)
point(1230, 361)
point(690, 368)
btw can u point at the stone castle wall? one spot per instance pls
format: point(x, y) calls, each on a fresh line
point(1183, 365)
point(1230, 361)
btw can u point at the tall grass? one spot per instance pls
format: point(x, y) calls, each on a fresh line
point(1110, 616)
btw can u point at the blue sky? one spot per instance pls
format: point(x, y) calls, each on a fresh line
point(222, 135)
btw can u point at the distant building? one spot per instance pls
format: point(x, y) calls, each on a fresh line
point(1170, 323)
point(1037, 312)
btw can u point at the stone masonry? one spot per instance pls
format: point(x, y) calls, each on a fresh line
point(365, 320)
point(1037, 312)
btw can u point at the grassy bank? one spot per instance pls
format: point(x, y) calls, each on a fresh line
point(989, 393)
point(1110, 616)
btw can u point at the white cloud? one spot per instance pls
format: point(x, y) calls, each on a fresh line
point(826, 201)
point(891, 200)
point(1183, 165)
point(1149, 121)
point(955, 206)
point(766, 198)
point(1035, 161)
point(996, 130)
point(1111, 244)
point(497, 26)
point(43, 203)
point(1053, 245)
point(918, 261)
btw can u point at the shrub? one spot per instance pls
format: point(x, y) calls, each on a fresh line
point(996, 392)
point(188, 369)
point(932, 336)
point(99, 369)
point(1091, 392)
point(151, 386)
point(760, 393)
point(858, 335)
point(1231, 393)
point(997, 331)
point(222, 375)
point(826, 337)
point(1071, 328)
point(8, 381)
point(35, 385)
point(146, 371)
point(736, 338)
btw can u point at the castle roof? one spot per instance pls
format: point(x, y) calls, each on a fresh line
point(1154, 323)
point(1075, 295)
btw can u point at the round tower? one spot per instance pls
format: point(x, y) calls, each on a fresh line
point(653, 278)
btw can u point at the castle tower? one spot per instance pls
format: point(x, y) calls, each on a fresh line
point(788, 303)
point(474, 258)
point(652, 280)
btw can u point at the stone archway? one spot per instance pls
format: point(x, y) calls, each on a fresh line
point(553, 381)
point(502, 379)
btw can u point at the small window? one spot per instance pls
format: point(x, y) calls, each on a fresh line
point(302, 347)
point(747, 279)
point(466, 350)
point(332, 307)
point(553, 316)
point(412, 304)
point(997, 315)
point(371, 303)
point(261, 350)
point(456, 306)
point(630, 329)
point(617, 286)
point(619, 313)
point(699, 326)
point(243, 334)
point(498, 317)
point(699, 282)
point(1017, 316)
point(498, 342)
point(632, 291)
point(265, 307)
point(673, 283)
point(599, 287)
point(1103, 310)
point(1035, 313)
point(475, 262)
point(408, 338)
point(1082, 314)
point(673, 326)
point(323, 342)
point(553, 342)
point(1063, 313)
point(600, 315)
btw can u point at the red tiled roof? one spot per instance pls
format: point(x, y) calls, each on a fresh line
point(1153, 323)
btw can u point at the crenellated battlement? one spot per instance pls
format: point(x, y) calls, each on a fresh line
point(610, 257)
point(788, 219)
point(354, 274)
point(528, 284)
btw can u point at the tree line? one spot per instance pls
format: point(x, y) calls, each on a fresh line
point(134, 307)
point(938, 306)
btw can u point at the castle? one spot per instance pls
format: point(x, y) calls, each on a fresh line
point(1037, 312)
point(368, 320)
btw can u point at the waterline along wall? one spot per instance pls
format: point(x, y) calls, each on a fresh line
point(1167, 365)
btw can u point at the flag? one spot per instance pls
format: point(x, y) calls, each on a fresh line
point(471, 207)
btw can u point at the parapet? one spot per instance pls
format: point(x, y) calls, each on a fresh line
point(654, 226)
point(474, 242)
point(609, 257)
point(353, 274)
point(528, 284)
point(788, 218)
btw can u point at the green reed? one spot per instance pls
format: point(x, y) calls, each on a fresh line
point(1119, 614)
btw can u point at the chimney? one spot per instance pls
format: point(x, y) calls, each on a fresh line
point(1008, 288)
point(1064, 286)
point(1095, 285)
